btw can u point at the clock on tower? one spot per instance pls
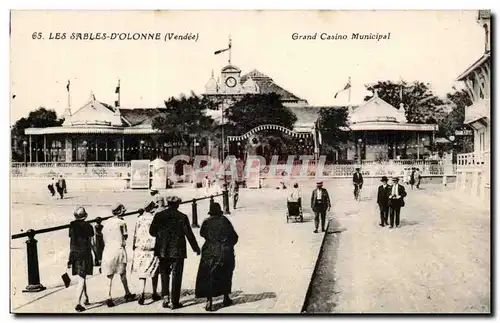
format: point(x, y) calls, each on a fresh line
point(231, 79)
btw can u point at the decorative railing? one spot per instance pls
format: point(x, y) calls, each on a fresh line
point(473, 159)
point(120, 170)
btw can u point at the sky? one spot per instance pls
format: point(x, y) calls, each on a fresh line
point(428, 46)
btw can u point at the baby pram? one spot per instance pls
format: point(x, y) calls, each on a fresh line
point(294, 211)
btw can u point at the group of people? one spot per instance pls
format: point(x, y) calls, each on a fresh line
point(159, 248)
point(412, 177)
point(390, 199)
point(213, 187)
point(58, 186)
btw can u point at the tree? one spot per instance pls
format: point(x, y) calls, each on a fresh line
point(421, 105)
point(253, 110)
point(39, 118)
point(455, 120)
point(184, 119)
point(330, 122)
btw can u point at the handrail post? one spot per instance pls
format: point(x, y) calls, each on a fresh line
point(225, 200)
point(33, 270)
point(194, 208)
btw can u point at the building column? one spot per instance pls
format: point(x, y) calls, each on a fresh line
point(123, 148)
point(30, 149)
point(96, 149)
point(45, 148)
point(36, 151)
point(68, 146)
point(106, 149)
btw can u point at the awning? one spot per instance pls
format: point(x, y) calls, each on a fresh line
point(88, 130)
point(381, 126)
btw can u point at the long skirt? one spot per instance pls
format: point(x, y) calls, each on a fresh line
point(114, 260)
point(214, 278)
point(145, 263)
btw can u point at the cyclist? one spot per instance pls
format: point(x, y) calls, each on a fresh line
point(357, 180)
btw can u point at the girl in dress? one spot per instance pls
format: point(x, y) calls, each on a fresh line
point(145, 263)
point(114, 257)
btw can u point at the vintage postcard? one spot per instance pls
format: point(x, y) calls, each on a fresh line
point(270, 162)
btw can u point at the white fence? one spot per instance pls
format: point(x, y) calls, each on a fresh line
point(121, 170)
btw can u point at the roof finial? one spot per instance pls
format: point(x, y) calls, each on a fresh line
point(375, 92)
point(213, 73)
point(92, 96)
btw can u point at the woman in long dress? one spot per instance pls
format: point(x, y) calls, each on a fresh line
point(215, 273)
point(145, 263)
point(114, 256)
point(80, 256)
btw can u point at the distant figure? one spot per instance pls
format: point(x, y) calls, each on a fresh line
point(236, 193)
point(357, 180)
point(396, 201)
point(171, 227)
point(80, 259)
point(412, 177)
point(145, 263)
point(406, 176)
point(383, 193)
point(99, 241)
point(61, 186)
point(295, 195)
point(215, 273)
point(114, 257)
point(206, 185)
point(418, 178)
point(51, 187)
point(320, 203)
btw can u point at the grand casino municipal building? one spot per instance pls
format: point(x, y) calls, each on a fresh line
point(97, 131)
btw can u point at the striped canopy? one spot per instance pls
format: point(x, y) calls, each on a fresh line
point(289, 132)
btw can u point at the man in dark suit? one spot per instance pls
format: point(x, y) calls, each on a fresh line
point(171, 228)
point(384, 191)
point(320, 203)
point(396, 201)
point(357, 180)
point(61, 186)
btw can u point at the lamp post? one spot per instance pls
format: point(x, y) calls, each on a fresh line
point(452, 139)
point(360, 142)
point(25, 157)
point(85, 152)
point(141, 143)
point(423, 147)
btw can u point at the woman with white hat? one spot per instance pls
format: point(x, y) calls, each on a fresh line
point(145, 263)
point(114, 256)
point(80, 257)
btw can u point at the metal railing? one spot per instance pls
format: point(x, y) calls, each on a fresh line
point(34, 284)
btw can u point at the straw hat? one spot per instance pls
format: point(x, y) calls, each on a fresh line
point(119, 209)
point(80, 213)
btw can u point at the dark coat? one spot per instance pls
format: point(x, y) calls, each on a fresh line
point(215, 273)
point(171, 227)
point(80, 256)
point(357, 178)
point(325, 198)
point(61, 185)
point(398, 202)
point(383, 195)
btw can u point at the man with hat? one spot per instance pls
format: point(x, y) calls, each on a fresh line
point(384, 191)
point(320, 203)
point(357, 179)
point(171, 227)
point(114, 256)
point(396, 201)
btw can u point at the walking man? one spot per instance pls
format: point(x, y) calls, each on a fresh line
point(384, 191)
point(171, 227)
point(61, 186)
point(320, 203)
point(396, 201)
point(357, 180)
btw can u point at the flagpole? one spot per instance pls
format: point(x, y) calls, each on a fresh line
point(349, 97)
point(119, 93)
point(229, 61)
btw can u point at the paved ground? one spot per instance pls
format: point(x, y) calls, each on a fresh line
point(437, 262)
point(275, 260)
